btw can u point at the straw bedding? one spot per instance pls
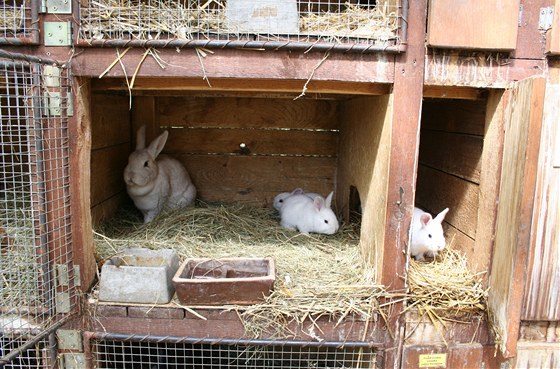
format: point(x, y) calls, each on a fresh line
point(19, 263)
point(156, 19)
point(317, 275)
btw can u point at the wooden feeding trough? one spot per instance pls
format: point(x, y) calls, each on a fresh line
point(240, 281)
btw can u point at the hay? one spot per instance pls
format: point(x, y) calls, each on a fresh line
point(12, 19)
point(143, 21)
point(173, 19)
point(318, 276)
point(19, 264)
point(354, 22)
point(445, 288)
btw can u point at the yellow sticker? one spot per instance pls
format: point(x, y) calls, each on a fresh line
point(433, 361)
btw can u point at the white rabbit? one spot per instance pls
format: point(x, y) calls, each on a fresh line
point(156, 184)
point(279, 199)
point(427, 234)
point(300, 212)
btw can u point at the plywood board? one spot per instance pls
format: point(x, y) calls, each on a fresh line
point(517, 189)
point(246, 112)
point(471, 24)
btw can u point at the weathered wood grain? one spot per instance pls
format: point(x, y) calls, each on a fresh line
point(542, 295)
point(246, 113)
point(79, 129)
point(110, 120)
point(517, 189)
point(239, 64)
point(471, 24)
point(553, 34)
point(453, 115)
point(107, 166)
point(255, 87)
point(488, 194)
point(480, 70)
point(257, 179)
point(363, 163)
point(252, 142)
point(456, 154)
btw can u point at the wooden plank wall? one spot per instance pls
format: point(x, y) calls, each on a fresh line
point(542, 297)
point(522, 131)
point(364, 163)
point(449, 170)
point(110, 146)
point(287, 144)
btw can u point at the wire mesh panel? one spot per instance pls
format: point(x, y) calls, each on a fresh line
point(18, 22)
point(371, 24)
point(37, 277)
point(151, 352)
point(41, 354)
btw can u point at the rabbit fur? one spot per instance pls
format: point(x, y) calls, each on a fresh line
point(427, 234)
point(301, 212)
point(279, 199)
point(156, 183)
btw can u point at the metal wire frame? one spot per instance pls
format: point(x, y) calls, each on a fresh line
point(19, 22)
point(37, 275)
point(41, 353)
point(95, 35)
point(110, 350)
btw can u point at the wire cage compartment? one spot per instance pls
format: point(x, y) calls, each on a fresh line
point(134, 351)
point(19, 24)
point(37, 276)
point(359, 25)
point(40, 353)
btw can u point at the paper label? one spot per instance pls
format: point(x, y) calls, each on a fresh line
point(433, 361)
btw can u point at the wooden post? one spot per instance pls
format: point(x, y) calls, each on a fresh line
point(407, 105)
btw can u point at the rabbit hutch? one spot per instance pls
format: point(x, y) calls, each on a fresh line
point(387, 104)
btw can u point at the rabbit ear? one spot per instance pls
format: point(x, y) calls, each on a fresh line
point(319, 203)
point(297, 191)
point(141, 138)
point(439, 218)
point(425, 219)
point(157, 145)
point(329, 200)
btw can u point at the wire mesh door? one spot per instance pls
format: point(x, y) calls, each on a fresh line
point(37, 276)
point(19, 24)
point(355, 25)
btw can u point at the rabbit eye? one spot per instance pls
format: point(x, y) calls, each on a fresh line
point(326, 221)
point(281, 201)
point(429, 235)
point(146, 164)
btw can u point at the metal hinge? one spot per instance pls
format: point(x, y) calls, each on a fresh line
point(62, 300)
point(56, 6)
point(73, 361)
point(57, 34)
point(69, 339)
point(546, 17)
